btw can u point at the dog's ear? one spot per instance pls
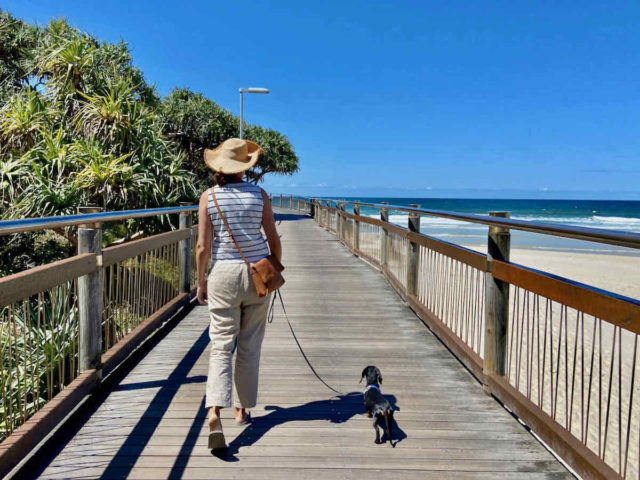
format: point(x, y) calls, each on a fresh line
point(379, 375)
point(364, 374)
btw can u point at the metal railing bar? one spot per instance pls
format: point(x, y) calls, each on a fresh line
point(598, 235)
point(8, 227)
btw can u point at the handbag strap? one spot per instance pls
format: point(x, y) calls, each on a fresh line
point(224, 220)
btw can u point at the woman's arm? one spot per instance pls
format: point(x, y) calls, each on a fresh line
point(203, 248)
point(269, 226)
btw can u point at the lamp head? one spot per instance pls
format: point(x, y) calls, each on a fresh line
point(253, 90)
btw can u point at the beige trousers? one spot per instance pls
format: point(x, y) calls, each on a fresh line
point(238, 318)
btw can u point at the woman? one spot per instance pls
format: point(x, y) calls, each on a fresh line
point(237, 313)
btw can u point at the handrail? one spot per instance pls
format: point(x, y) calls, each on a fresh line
point(598, 235)
point(93, 310)
point(515, 328)
point(8, 227)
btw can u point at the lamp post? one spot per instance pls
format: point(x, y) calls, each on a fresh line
point(242, 92)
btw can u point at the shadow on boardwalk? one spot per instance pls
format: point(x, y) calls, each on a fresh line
point(335, 410)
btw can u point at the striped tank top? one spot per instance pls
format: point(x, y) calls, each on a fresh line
point(241, 204)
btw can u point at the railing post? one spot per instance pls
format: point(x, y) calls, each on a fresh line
point(356, 227)
point(384, 235)
point(413, 254)
point(280, 200)
point(290, 202)
point(496, 302)
point(90, 291)
point(184, 247)
point(345, 233)
point(312, 209)
point(327, 215)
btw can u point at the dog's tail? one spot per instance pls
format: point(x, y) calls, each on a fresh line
point(388, 417)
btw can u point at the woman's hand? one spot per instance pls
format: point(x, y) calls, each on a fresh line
point(202, 294)
point(203, 247)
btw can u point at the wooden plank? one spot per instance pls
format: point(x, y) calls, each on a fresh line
point(386, 462)
point(22, 285)
point(275, 472)
point(122, 252)
point(502, 450)
point(610, 307)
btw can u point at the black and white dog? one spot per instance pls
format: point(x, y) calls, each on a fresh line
point(377, 406)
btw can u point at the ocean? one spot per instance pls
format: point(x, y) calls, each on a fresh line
point(607, 214)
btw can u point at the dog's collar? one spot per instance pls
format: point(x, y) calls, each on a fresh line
point(372, 386)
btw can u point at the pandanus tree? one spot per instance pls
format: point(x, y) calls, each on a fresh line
point(79, 125)
point(22, 118)
point(278, 156)
point(196, 123)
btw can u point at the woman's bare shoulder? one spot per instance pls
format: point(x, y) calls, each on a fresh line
point(204, 197)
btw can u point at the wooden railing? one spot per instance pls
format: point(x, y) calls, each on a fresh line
point(559, 354)
point(65, 325)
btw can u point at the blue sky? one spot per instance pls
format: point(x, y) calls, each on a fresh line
point(425, 98)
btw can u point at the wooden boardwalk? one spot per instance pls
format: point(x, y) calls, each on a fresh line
point(153, 426)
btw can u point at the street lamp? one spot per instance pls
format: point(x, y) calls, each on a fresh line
point(242, 92)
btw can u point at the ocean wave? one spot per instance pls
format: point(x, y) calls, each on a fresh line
point(594, 221)
point(629, 224)
point(617, 220)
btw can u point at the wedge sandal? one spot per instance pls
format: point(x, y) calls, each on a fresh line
point(216, 438)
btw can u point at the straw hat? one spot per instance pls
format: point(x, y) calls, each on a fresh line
point(234, 155)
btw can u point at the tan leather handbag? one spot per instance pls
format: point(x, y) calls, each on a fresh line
point(265, 273)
